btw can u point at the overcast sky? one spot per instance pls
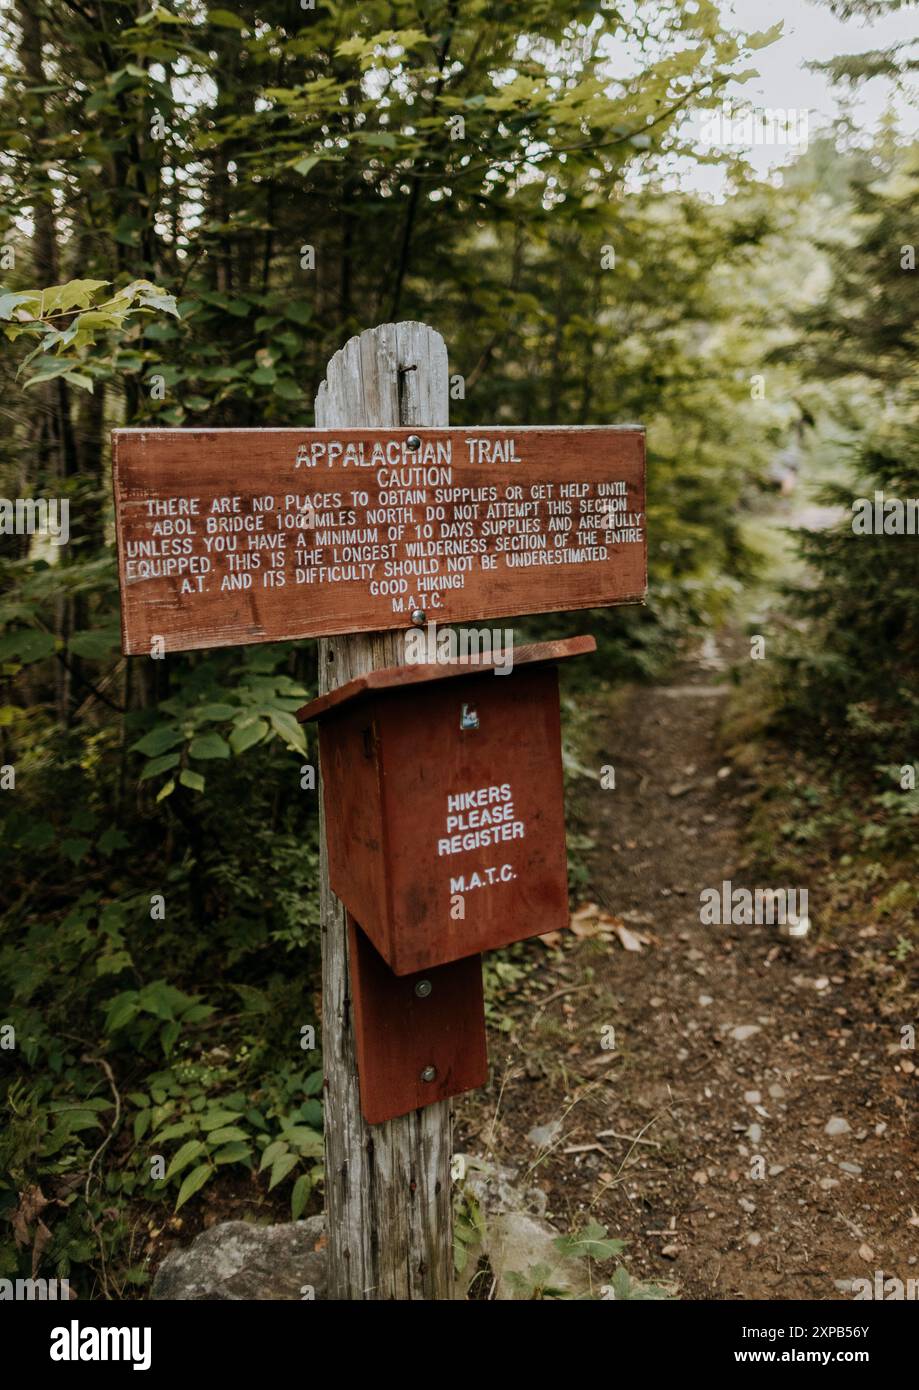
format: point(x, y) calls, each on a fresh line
point(810, 32)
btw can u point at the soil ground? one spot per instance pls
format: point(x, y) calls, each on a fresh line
point(701, 1137)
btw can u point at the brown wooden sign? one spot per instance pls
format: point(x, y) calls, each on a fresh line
point(236, 536)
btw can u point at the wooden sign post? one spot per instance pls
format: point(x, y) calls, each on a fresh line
point(380, 520)
point(388, 1191)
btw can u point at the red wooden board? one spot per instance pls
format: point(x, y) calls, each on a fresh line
point(398, 1034)
point(389, 677)
point(444, 843)
point(238, 536)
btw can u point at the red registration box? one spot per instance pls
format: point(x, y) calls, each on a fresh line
point(444, 804)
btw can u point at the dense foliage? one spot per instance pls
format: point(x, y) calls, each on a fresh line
point(848, 690)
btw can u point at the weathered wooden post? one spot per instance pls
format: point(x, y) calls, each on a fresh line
point(388, 1199)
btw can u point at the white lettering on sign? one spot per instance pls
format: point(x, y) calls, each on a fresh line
point(476, 820)
point(464, 524)
point(324, 538)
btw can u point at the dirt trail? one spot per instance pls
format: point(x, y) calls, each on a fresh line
point(735, 1047)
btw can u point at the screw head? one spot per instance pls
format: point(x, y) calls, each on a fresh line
point(429, 1074)
point(413, 441)
point(423, 989)
point(418, 617)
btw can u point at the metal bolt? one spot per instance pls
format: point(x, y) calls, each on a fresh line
point(413, 441)
point(429, 1074)
point(418, 617)
point(423, 988)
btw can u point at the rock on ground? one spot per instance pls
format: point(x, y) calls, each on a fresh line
point(517, 1243)
point(239, 1260)
point(517, 1238)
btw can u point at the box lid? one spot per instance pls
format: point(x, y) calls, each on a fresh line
point(390, 677)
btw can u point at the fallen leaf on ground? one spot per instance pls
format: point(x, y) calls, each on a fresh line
point(628, 939)
point(590, 920)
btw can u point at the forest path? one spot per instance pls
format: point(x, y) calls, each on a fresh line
point(732, 1043)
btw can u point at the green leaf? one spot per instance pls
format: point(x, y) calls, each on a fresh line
point(354, 48)
point(157, 765)
point(245, 735)
point(176, 1131)
point(286, 726)
point(111, 840)
point(158, 740)
point(75, 294)
point(159, 15)
point(193, 780)
point(310, 1113)
point(122, 1009)
point(287, 389)
point(215, 1119)
point(48, 371)
point(210, 745)
point(193, 1183)
point(227, 1134)
point(217, 711)
point(163, 1000)
point(85, 383)
point(159, 301)
point(166, 790)
point(181, 1160)
point(307, 1142)
point(225, 19)
point(27, 644)
point(627, 1290)
point(94, 644)
point(198, 1012)
point(300, 1194)
point(281, 1167)
point(26, 300)
point(298, 312)
point(592, 1241)
point(764, 37)
point(233, 1153)
point(75, 850)
point(272, 1153)
point(113, 962)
